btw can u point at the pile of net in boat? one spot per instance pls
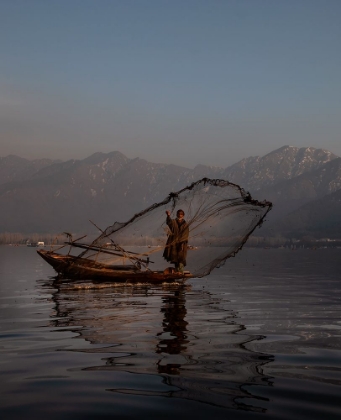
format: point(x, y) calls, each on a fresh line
point(220, 216)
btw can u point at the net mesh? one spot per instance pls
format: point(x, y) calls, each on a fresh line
point(220, 216)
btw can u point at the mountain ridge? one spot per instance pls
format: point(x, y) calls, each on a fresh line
point(57, 196)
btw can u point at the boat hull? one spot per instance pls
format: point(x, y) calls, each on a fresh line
point(72, 268)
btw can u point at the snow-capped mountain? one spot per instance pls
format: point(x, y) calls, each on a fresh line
point(50, 196)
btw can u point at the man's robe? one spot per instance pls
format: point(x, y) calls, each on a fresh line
point(176, 246)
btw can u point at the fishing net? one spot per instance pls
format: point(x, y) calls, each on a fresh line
point(220, 217)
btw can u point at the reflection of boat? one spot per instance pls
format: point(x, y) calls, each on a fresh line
point(200, 350)
point(71, 267)
point(220, 217)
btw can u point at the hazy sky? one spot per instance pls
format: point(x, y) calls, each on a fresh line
point(182, 82)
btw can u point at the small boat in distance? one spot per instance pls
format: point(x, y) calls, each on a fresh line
point(220, 216)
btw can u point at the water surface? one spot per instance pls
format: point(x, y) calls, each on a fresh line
point(259, 338)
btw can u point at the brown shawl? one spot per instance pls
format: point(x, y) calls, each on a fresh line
point(176, 246)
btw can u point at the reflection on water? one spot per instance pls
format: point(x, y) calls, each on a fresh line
point(174, 335)
point(259, 338)
point(201, 351)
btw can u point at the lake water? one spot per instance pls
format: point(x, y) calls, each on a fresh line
point(260, 338)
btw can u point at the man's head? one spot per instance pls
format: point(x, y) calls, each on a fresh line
point(180, 214)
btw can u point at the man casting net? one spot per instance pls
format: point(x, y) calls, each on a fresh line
point(177, 242)
point(220, 216)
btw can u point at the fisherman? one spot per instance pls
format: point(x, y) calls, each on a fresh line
point(176, 247)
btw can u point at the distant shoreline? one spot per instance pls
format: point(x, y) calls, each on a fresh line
point(20, 239)
point(8, 238)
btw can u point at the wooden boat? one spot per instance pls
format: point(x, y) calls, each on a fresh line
point(73, 268)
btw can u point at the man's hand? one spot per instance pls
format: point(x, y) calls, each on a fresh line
point(168, 213)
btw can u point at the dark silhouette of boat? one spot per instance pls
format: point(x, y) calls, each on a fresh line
point(73, 268)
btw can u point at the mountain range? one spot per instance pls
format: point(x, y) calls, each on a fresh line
point(45, 195)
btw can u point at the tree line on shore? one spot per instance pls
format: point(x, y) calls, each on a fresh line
point(292, 243)
point(7, 238)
